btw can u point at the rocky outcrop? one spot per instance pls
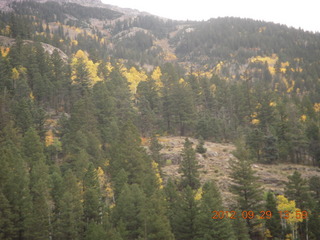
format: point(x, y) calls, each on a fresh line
point(215, 166)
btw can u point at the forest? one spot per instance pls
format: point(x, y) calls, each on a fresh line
point(79, 136)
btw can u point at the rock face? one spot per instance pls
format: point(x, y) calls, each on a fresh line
point(215, 166)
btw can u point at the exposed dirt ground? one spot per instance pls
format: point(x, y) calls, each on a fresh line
point(215, 166)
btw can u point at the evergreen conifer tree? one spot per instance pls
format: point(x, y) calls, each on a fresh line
point(274, 223)
point(246, 188)
point(128, 214)
point(200, 147)
point(185, 215)
point(189, 167)
point(91, 197)
point(70, 223)
point(209, 228)
point(155, 148)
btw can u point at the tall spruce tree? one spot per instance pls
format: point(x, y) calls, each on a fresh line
point(208, 228)
point(42, 215)
point(240, 227)
point(297, 189)
point(274, 223)
point(14, 185)
point(185, 215)
point(157, 225)
point(39, 184)
point(128, 214)
point(70, 222)
point(92, 205)
point(189, 167)
point(155, 148)
point(128, 154)
point(247, 190)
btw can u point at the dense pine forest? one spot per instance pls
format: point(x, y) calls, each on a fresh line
point(86, 92)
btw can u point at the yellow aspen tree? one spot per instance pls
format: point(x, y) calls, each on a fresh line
point(288, 213)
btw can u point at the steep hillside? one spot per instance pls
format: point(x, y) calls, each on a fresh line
point(135, 36)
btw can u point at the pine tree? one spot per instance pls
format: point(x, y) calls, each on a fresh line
point(14, 184)
point(70, 223)
point(157, 226)
point(128, 154)
point(274, 223)
point(297, 189)
point(208, 228)
point(246, 188)
point(131, 224)
point(119, 181)
point(155, 148)
point(172, 199)
point(105, 112)
point(6, 224)
point(185, 215)
point(33, 148)
point(147, 107)
point(270, 151)
point(119, 90)
point(95, 232)
point(91, 196)
point(189, 167)
point(181, 106)
point(254, 141)
point(240, 227)
point(41, 216)
point(200, 147)
point(56, 192)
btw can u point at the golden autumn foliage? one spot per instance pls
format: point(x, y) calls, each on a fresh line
point(109, 66)
point(290, 88)
point(255, 120)
point(134, 77)
point(4, 51)
point(316, 107)
point(213, 88)
point(15, 74)
point(49, 138)
point(105, 184)
point(198, 194)
point(156, 76)
point(262, 29)
point(169, 56)
point(283, 204)
point(6, 30)
point(181, 81)
point(158, 176)
point(272, 104)
point(303, 118)
point(218, 68)
point(267, 233)
point(271, 63)
point(74, 42)
point(90, 66)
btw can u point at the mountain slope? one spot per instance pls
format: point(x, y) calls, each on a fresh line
point(197, 44)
